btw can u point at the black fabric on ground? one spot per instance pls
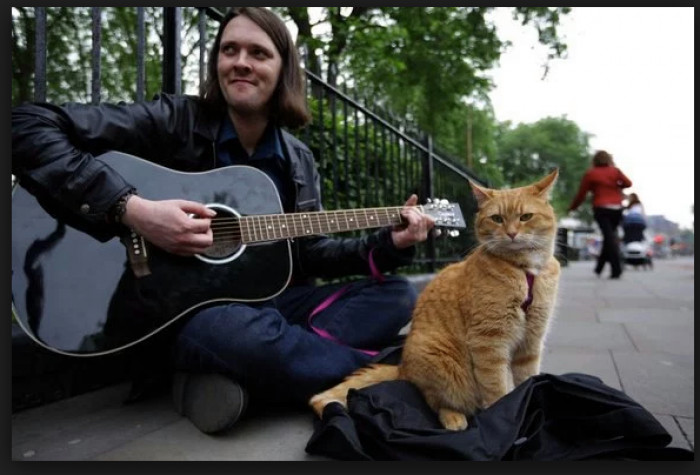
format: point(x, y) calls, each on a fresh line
point(572, 416)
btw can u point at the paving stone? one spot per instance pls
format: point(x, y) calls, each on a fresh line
point(663, 383)
point(644, 315)
point(671, 425)
point(672, 338)
point(595, 363)
point(687, 425)
point(585, 335)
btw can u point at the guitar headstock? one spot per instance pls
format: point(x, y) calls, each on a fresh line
point(445, 214)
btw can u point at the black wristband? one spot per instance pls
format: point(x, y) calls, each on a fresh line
point(119, 207)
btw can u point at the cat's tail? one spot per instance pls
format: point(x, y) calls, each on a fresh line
point(361, 378)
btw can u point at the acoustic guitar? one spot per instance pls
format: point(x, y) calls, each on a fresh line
point(78, 296)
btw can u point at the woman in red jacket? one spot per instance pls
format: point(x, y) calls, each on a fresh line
point(605, 181)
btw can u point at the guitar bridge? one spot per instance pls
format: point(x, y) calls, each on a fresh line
point(137, 254)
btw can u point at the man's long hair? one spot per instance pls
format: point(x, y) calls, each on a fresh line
point(288, 106)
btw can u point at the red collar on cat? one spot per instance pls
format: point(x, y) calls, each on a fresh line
point(530, 280)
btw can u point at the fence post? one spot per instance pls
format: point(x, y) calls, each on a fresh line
point(96, 86)
point(427, 192)
point(562, 246)
point(172, 72)
point(40, 55)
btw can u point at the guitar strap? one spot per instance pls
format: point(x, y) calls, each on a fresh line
point(335, 296)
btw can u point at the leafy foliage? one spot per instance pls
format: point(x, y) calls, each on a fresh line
point(527, 151)
point(424, 63)
point(69, 59)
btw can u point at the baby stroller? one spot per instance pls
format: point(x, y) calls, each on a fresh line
point(638, 253)
point(636, 248)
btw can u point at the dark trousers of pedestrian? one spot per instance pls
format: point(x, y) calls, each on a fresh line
point(273, 350)
point(608, 220)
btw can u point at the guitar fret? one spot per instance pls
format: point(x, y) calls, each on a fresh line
point(310, 220)
point(256, 227)
point(295, 231)
point(270, 227)
point(282, 226)
point(243, 223)
point(372, 218)
point(353, 219)
point(267, 227)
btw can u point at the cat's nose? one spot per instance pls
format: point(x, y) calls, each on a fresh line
point(512, 236)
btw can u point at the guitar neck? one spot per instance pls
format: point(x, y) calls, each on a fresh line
point(273, 227)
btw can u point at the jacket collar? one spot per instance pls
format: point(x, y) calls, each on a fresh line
point(208, 125)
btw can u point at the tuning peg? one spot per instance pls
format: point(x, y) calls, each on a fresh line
point(437, 232)
point(453, 233)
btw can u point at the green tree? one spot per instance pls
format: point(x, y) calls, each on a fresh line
point(528, 151)
point(69, 47)
point(423, 63)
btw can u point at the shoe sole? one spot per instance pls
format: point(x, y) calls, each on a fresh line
point(207, 400)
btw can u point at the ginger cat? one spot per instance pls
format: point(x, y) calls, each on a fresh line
point(478, 327)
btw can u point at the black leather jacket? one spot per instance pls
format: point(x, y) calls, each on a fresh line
point(52, 156)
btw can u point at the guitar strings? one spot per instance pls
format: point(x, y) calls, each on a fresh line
point(258, 229)
point(302, 215)
point(229, 228)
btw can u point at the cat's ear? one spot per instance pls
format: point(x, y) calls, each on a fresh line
point(543, 188)
point(481, 194)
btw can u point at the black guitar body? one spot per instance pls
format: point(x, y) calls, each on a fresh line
point(78, 296)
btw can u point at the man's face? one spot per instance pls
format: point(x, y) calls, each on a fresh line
point(249, 67)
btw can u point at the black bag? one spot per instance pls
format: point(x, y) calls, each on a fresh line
point(569, 417)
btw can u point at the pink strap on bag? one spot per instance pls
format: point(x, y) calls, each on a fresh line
point(335, 296)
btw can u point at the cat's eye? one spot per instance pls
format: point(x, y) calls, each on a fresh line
point(525, 217)
point(497, 218)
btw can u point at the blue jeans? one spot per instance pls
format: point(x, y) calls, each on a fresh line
point(272, 351)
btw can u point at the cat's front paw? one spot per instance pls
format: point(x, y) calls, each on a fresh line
point(321, 400)
point(452, 420)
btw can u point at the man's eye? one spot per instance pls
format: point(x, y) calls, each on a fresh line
point(526, 217)
point(497, 218)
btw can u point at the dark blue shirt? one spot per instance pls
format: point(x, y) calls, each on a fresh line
point(267, 157)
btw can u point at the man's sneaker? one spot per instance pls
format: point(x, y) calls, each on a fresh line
point(213, 402)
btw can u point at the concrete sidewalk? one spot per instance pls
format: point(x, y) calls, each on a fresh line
point(636, 334)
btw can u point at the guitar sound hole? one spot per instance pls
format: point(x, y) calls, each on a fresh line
point(227, 236)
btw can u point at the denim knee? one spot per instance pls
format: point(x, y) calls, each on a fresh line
point(403, 296)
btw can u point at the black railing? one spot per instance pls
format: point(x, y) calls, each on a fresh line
point(366, 158)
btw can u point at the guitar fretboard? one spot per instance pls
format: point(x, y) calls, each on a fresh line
point(273, 227)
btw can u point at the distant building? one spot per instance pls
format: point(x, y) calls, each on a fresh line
point(658, 224)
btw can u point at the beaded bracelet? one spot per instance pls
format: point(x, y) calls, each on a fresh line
point(119, 207)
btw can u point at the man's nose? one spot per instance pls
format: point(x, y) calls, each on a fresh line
point(241, 61)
